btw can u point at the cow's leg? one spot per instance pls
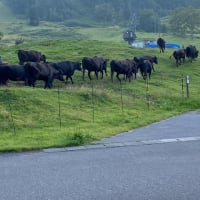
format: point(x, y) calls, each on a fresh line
point(118, 77)
point(101, 74)
point(45, 84)
point(135, 75)
point(149, 75)
point(66, 80)
point(106, 72)
point(152, 67)
point(128, 75)
point(48, 83)
point(31, 82)
point(71, 79)
point(96, 74)
point(89, 72)
point(125, 77)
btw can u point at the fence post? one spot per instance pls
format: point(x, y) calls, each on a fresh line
point(182, 86)
point(92, 100)
point(187, 85)
point(59, 109)
point(122, 103)
point(147, 93)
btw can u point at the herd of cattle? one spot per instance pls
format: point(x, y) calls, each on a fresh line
point(179, 55)
point(33, 66)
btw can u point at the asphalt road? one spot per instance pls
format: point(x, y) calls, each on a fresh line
point(157, 162)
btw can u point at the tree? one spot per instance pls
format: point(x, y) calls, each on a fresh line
point(105, 13)
point(33, 16)
point(185, 20)
point(148, 21)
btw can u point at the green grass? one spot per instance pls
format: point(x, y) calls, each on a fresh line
point(30, 118)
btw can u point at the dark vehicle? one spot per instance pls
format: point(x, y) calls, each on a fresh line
point(129, 36)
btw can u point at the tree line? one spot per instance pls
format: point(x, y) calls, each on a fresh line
point(145, 14)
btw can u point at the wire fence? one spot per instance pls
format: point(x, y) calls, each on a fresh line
point(146, 96)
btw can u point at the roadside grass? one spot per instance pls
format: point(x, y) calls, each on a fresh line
point(88, 111)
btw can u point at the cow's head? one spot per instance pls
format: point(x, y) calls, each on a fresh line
point(196, 53)
point(43, 58)
point(139, 62)
point(155, 60)
point(59, 75)
point(78, 66)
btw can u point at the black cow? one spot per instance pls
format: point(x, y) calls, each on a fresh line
point(12, 72)
point(152, 59)
point(191, 52)
point(161, 44)
point(145, 67)
point(30, 56)
point(95, 64)
point(126, 67)
point(68, 68)
point(42, 71)
point(179, 56)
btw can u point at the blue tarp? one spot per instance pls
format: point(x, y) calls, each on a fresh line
point(167, 45)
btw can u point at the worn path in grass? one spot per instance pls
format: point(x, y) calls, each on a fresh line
point(160, 161)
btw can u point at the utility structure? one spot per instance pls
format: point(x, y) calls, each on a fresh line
point(129, 35)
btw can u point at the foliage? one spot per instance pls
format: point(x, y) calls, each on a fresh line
point(104, 13)
point(149, 21)
point(98, 11)
point(33, 16)
point(185, 20)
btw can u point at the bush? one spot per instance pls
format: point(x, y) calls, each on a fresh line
point(79, 139)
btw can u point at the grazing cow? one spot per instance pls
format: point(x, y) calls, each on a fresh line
point(12, 72)
point(30, 56)
point(152, 59)
point(179, 56)
point(161, 44)
point(67, 68)
point(145, 67)
point(42, 71)
point(126, 67)
point(95, 64)
point(191, 52)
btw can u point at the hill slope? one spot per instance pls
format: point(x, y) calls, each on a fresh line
point(89, 110)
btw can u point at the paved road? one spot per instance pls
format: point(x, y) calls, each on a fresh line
point(158, 162)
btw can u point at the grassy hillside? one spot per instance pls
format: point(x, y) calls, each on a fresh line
point(47, 30)
point(90, 110)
